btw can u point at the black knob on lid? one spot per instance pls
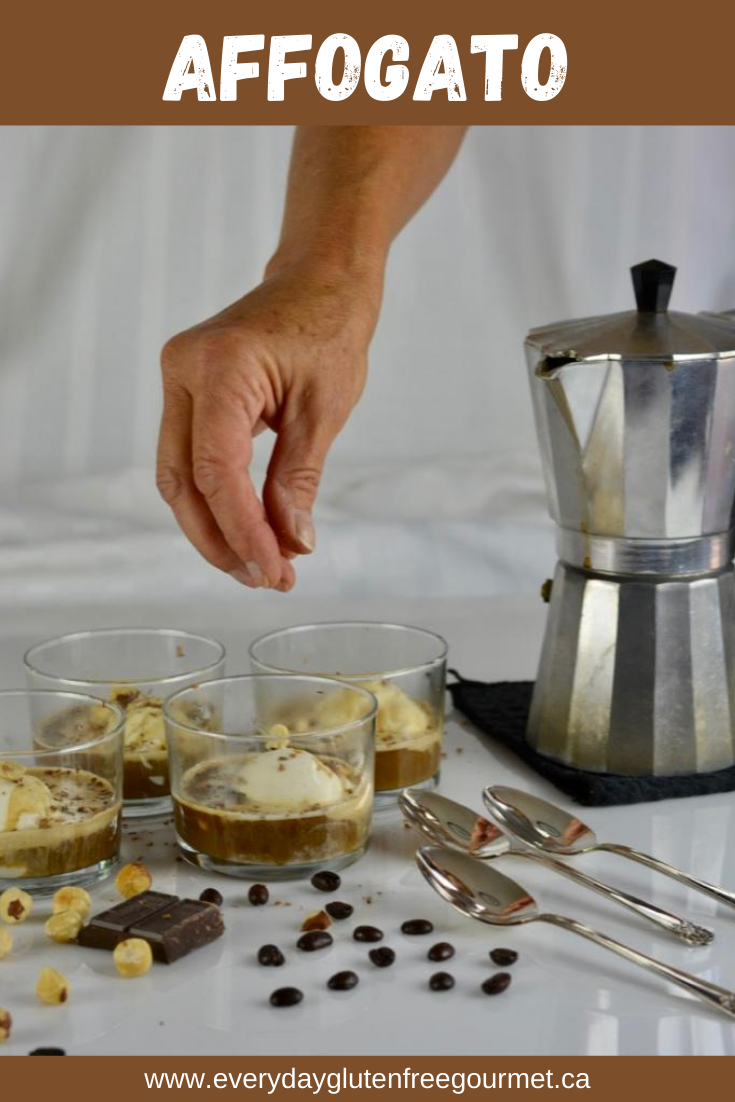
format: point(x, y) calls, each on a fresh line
point(652, 283)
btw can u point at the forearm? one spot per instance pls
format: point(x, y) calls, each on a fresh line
point(352, 188)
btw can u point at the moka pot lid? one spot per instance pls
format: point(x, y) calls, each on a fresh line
point(650, 332)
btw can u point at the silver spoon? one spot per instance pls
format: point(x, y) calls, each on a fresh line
point(548, 828)
point(457, 826)
point(480, 891)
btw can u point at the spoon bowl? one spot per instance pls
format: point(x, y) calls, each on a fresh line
point(459, 828)
point(449, 823)
point(481, 892)
point(475, 889)
point(537, 823)
point(547, 829)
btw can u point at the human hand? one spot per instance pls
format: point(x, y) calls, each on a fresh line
point(290, 356)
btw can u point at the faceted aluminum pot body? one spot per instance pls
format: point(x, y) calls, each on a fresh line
point(636, 449)
point(637, 677)
point(635, 415)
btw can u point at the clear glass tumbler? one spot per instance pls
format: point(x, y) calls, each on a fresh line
point(136, 668)
point(265, 783)
point(61, 774)
point(404, 667)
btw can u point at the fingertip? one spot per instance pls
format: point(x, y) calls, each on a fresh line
point(290, 547)
point(293, 525)
point(288, 578)
point(244, 576)
point(304, 530)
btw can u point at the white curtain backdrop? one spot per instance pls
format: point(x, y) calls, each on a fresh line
point(111, 239)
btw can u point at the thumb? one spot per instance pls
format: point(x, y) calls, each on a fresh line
point(293, 479)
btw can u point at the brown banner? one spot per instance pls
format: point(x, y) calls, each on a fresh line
point(575, 62)
point(127, 1079)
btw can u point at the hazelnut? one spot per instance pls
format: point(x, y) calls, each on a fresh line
point(6, 1024)
point(72, 899)
point(6, 942)
point(101, 718)
point(15, 906)
point(64, 926)
point(278, 736)
point(132, 957)
point(52, 987)
point(317, 920)
point(124, 695)
point(133, 879)
point(11, 771)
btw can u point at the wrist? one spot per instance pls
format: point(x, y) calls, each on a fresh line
point(347, 260)
point(358, 279)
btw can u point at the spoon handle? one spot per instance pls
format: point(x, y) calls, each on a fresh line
point(720, 894)
point(673, 924)
point(717, 997)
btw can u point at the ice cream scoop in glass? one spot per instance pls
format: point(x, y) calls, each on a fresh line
point(60, 790)
point(137, 668)
point(405, 669)
point(272, 788)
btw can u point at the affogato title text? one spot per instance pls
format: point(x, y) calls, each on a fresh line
point(339, 67)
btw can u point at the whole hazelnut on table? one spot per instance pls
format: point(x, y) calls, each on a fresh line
point(52, 987)
point(64, 927)
point(133, 879)
point(132, 957)
point(72, 899)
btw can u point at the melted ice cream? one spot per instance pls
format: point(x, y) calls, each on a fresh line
point(24, 799)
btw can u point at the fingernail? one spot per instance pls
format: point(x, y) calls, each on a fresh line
point(251, 575)
point(304, 528)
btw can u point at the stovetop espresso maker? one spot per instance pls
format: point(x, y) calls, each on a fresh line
point(635, 414)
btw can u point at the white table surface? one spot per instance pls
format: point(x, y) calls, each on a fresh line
point(567, 997)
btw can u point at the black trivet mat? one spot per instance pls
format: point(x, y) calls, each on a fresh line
point(500, 709)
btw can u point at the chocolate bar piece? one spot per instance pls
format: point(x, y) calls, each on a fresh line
point(175, 931)
point(171, 926)
point(106, 929)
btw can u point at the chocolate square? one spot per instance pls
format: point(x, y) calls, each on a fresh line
point(109, 927)
point(175, 931)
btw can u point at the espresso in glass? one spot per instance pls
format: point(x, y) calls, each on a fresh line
point(274, 789)
point(403, 667)
point(60, 788)
point(136, 669)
